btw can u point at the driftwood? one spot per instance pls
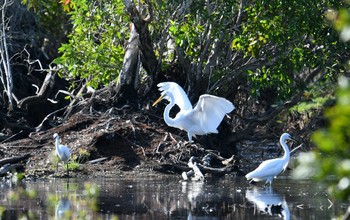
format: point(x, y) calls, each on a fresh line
point(13, 160)
point(99, 160)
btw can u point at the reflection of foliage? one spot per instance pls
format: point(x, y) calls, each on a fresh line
point(80, 207)
point(19, 194)
point(333, 153)
point(2, 210)
point(92, 192)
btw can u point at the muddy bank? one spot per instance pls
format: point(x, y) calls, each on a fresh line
point(128, 141)
point(113, 139)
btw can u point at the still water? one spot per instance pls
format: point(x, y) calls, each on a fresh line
point(165, 197)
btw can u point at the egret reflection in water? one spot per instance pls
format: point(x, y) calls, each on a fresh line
point(268, 202)
point(62, 207)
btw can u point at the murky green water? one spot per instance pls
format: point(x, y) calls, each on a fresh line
point(165, 197)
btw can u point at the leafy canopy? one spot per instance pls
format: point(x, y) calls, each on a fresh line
point(290, 38)
point(95, 48)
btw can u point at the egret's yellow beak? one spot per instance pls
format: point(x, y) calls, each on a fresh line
point(158, 100)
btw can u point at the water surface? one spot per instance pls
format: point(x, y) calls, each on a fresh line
point(166, 197)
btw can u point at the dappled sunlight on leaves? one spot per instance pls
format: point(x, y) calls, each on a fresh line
point(330, 162)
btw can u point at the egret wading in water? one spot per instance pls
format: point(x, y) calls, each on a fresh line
point(204, 118)
point(269, 169)
point(62, 152)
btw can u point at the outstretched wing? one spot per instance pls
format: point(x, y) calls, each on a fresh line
point(210, 110)
point(175, 91)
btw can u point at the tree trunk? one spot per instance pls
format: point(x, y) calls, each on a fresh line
point(148, 57)
point(128, 77)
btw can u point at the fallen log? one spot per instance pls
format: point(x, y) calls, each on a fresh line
point(15, 159)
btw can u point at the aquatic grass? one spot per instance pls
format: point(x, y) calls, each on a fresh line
point(74, 162)
point(16, 177)
point(83, 155)
point(72, 166)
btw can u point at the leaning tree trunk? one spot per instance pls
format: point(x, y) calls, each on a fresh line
point(139, 51)
point(128, 77)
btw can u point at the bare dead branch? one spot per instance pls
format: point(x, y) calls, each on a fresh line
point(43, 93)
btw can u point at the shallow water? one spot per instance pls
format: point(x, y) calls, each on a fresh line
point(166, 197)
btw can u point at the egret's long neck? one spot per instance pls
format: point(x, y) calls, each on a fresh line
point(167, 119)
point(57, 142)
point(286, 155)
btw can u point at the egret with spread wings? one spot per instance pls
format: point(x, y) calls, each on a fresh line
point(204, 118)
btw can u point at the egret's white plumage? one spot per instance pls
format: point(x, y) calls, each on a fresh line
point(269, 169)
point(204, 118)
point(62, 151)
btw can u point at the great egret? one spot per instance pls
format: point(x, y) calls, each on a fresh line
point(269, 169)
point(62, 151)
point(204, 118)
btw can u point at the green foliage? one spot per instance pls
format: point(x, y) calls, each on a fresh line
point(95, 48)
point(51, 16)
point(186, 35)
point(331, 162)
point(341, 22)
point(200, 29)
point(289, 37)
point(315, 97)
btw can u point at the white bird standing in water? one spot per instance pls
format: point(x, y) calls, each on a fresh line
point(62, 151)
point(269, 169)
point(204, 118)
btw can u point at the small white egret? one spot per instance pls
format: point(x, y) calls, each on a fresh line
point(269, 169)
point(62, 151)
point(204, 118)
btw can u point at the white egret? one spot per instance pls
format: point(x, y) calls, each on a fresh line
point(204, 118)
point(62, 151)
point(269, 169)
